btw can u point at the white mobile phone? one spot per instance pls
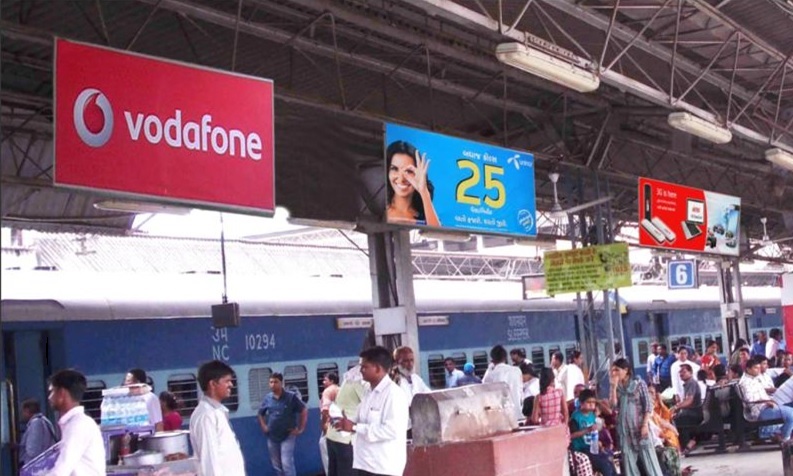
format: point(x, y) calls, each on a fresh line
point(668, 233)
point(653, 230)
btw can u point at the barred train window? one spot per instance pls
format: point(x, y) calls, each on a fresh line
point(296, 377)
point(459, 359)
point(258, 385)
point(568, 352)
point(644, 351)
point(233, 402)
point(185, 388)
point(435, 364)
point(551, 350)
point(537, 357)
point(322, 370)
point(480, 363)
point(92, 399)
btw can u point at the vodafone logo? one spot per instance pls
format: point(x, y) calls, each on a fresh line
point(93, 120)
point(93, 117)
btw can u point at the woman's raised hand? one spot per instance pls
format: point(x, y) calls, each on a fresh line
point(417, 176)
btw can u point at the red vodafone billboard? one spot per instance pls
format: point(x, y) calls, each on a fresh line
point(148, 128)
point(688, 219)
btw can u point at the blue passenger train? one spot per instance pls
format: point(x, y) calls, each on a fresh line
point(104, 325)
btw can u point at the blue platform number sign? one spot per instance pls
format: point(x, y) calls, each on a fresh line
point(442, 182)
point(682, 274)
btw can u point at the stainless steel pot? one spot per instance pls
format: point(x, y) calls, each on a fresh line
point(167, 442)
point(144, 458)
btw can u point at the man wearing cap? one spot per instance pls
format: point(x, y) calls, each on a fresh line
point(469, 377)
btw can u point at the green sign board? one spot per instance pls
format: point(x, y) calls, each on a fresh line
point(587, 269)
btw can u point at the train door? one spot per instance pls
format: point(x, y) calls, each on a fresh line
point(28, 360)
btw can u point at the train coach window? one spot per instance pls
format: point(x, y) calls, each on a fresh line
point(296, 377)
point(322, 370)
point(719, 342)
point(233, 402)
point(435, 365)
point(351, 364)
point(459, 359)
point(258, 385)
point(480, 363)
point(568, 351)
point(537, 357)
point(92, 399)
point(698, 345)
point(150, 383)
point(644, 351)
point(551, 350)
point(185, 388)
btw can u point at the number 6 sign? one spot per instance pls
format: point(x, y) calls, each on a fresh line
point(682, 274)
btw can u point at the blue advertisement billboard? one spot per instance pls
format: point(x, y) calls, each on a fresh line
point(443, 182)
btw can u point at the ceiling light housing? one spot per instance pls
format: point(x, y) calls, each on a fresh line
point(445, 236)
point(780, 157)
point(125, 206)
point(547, 67)
point(707, 130)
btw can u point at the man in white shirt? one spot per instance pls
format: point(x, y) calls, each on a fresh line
point(567, 376)
point(758, 405)
point(677, 382)
point(772, 344)
point(411, 383)
point(138, 376)
point(651, 378)
point(380, 445)
point(500, 371)
point(82, 451)
point(452, 372)
point(214, 442)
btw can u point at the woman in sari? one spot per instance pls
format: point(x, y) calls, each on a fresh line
point(668, 451)
point(634, 409)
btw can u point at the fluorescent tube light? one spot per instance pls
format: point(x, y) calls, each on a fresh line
point(780, 157)
point(445, 236)
point(125, 206)
point(707, 130)
point(546, 66)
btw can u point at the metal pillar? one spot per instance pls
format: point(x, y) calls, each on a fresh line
point(606, 300)
point(391, 273)
point(743, 325)
point(733, 320)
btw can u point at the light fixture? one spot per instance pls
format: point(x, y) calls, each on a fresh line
point(707, 130)
point(780, 157)
point(445, 236)
point(316, 223)
point(546, 66)
point(126, 206)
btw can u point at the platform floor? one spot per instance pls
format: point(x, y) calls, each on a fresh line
point(733, 463)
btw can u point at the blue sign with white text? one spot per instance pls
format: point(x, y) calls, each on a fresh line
point(682, 274)
point(438, 181)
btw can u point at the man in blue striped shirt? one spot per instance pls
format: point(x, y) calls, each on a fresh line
point(663, 367)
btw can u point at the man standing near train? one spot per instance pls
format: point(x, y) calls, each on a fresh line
point(380, 444)
point(214, 442)
point(82, 451)
point(283, 417)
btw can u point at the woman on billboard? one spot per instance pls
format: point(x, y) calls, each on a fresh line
point(409, 191)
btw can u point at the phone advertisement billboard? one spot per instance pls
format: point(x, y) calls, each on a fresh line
point(441, 182)
point(682, 218)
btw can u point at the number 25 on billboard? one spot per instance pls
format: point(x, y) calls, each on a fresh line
point(491, 183)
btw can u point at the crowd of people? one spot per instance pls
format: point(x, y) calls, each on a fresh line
point(643, 427)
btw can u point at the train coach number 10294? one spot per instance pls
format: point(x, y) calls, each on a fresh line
point(261, 341)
